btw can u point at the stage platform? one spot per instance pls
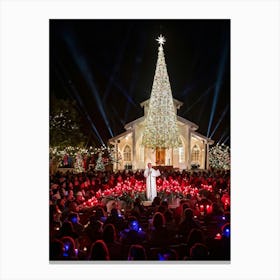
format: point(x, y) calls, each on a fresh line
point(148, 203)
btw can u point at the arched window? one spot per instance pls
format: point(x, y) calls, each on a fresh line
point(181, 154)
point(127, 153)
point(195, 153)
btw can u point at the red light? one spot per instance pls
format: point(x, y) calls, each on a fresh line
point(218, 236)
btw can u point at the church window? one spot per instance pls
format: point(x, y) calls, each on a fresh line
point(127, 153)
point(195, 153)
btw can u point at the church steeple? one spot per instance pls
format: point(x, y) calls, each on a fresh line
point(161, 130)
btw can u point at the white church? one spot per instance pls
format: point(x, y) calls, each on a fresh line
point(131, 148)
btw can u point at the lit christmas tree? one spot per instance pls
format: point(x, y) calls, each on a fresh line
point(78, 165)
point(161, 130)
point(219, 157)
point(99, 163)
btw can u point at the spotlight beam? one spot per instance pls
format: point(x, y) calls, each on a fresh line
point(219, 121)
point(87, 116)
point(222, 137)
point(117, 66)
point(200, 97)
point(88, 76)
point(217, 87)
point(118, 86)
point(81, 106)
point(226, 139)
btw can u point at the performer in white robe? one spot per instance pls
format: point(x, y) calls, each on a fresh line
point(151, 187)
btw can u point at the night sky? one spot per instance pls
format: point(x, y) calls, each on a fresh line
point(108, 67)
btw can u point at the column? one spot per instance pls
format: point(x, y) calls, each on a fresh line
point(117, 155)
point(207, 156)
point(189, 149)
point(134, 167)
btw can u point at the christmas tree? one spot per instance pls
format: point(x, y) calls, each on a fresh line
point(161, 130)
point(219, 157)
point(78, 165)
point(99, 163)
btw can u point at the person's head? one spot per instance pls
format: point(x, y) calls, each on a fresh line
point(74, 218)
point(68, 247)
point(188, 214)
point(137, 252)
point(109, 233)
point(79, 196)
point(133, 223)
point(168, 255)
point(156, 201)
point(114, 213)
point(99, 212)
point(99, 251)
point(161, 209)
point(95, 224)
point(164, 203)
point(168, 214)
point(67, 228)
point(195, 236)
point(199, 252)
point(185, 205)
point(149, 165)
point(158, 220)
point(137, 201)
point(56, 250)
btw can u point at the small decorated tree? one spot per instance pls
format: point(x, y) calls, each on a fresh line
point(219, 157)
point(99, 163)
point(79, 163)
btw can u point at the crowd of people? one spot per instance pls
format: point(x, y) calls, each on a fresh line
point(197, 228)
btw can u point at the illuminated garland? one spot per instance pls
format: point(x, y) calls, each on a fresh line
point(161, 130)
point(78, 153)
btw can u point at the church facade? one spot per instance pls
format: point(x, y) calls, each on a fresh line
point(132, 154)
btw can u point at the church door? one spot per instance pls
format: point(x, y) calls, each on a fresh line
point(160, 156)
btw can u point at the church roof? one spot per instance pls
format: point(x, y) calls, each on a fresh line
point(120, 135)
point(208, 140)
point(180, 119)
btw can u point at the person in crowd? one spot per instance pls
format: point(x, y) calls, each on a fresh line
point(170, 225)
point(188, 223)
point(156, 202)
point(137, 253)
point(116, 219)
point(74, 218)
point(133, 234)
point(67, 229)
point(138, 208)
point(195, 236)
point(159, 234)
point(199, 252)
point(111, 239)
point(179, 211)
point(94, 229)
point(69, 250)
point(99, 251)
point(56, 250)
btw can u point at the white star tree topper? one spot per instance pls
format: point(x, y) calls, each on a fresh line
point(161, 40)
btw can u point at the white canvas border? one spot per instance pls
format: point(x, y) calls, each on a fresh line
point(24, 137)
